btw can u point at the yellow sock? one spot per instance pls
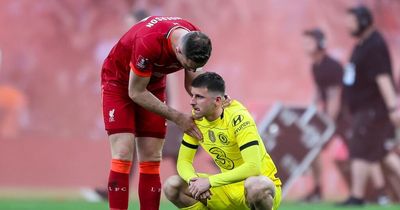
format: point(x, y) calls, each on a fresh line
point(197, 206)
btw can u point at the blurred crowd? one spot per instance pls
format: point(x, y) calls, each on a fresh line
point(51, 54)
point(52, 50)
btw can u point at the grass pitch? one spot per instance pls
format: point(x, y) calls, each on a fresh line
point(59, 204)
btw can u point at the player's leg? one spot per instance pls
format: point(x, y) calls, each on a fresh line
point(316, 168)
point(379, 182)
point(103, 192)
point(150, 135)
point(121, 163)
point(385, 130)
point(392, 161)
point(358, 165)
point(260, 192)
point(176, 191)
point(359, 176)
point(118, 114)
point(149, 151)
point(366, 150)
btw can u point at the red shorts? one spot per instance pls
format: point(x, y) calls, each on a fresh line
point(122, 115)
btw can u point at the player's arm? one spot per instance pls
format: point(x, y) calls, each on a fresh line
point(189, 76)
point(334, 101)
point(248, 141)
point(138, 92)
point(334, 90)
point(251, 166)
point(386, 87)
point(186, 155)
point(315, 96)
point(388, 92)
point(379, 70)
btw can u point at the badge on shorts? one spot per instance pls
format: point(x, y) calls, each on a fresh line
point(142, 63)
point(111, 115)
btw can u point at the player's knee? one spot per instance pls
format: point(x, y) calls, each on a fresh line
point(149, 149)
point(150, 155)
point(121, 146)
point(122, 153)
point(259, 189)
point(172, 187)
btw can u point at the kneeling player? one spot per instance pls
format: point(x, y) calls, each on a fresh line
point(247, 179)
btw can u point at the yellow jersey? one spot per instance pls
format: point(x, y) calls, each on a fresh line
point(234, 143)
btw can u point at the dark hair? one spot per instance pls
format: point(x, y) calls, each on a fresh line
point(318, 36)
point(197, 47)
point(364, 18)
point(210, 80)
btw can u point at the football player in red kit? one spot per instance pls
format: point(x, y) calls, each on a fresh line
point(133, 82)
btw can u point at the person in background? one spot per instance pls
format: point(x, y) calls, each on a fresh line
point(371, 98)
point(327, 74)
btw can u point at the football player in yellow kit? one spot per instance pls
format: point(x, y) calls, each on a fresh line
point(247, 179)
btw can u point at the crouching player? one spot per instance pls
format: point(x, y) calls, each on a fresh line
point(247, 179)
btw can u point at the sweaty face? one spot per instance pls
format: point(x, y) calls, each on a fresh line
point(309, 45)
point(351, 23)
point(203, 103)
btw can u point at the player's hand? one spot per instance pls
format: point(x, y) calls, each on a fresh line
point(227, 101)
point(198, 186)
point(186, 123)
point(206, 195)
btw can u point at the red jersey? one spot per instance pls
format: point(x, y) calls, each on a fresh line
point(146, 49)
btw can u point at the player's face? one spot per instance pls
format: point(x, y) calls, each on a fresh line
point(187, 63)
point(203, 103)
point(309, 45)
point(351, 23)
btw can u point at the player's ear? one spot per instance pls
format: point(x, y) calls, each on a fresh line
point(218, 100)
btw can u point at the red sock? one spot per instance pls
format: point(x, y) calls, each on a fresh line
point(118, 184)
point(149, 185)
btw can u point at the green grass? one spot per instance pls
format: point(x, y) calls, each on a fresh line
point(38, 204)
point(330, 206)
point(35, 204)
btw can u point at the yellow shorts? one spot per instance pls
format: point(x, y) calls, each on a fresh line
point(232, 197)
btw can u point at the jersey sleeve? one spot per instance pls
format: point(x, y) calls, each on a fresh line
point(143, 56)
point(187, 151)
point(378, 61)
point(245, 129)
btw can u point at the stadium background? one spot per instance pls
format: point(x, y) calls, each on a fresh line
point(52, 51)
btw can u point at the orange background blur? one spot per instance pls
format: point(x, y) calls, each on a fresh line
point(52, 133)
